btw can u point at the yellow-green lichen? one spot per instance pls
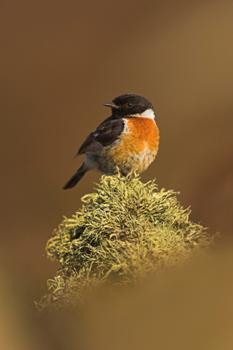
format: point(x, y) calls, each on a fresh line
point(123, 230)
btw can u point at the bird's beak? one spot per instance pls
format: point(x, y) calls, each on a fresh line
point(111, 105)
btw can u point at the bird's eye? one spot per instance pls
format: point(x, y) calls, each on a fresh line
point(129, 104)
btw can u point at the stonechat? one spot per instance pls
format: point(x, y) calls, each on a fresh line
point(127, 141)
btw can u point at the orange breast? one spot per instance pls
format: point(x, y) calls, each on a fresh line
point(135, 150)
point(142, 132)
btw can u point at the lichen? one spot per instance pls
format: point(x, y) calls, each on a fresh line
point(123, 230)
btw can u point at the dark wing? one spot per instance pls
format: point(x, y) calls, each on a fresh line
point(106, 133)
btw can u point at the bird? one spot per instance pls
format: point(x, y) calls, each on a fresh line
point(125, 142)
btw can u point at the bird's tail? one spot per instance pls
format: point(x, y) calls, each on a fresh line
point(76, 177)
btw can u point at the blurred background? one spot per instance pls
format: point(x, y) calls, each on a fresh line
point(60, 60)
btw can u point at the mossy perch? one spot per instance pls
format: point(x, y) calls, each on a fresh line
point(123, 230)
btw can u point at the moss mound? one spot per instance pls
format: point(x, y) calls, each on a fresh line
point(123, 230)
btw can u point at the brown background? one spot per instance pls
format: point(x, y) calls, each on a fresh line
point(60, 60)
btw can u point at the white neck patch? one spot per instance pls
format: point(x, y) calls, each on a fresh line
point(148, 113)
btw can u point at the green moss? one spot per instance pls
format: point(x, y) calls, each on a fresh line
point(123, 230)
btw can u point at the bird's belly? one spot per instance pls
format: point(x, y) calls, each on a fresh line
point(135, 150)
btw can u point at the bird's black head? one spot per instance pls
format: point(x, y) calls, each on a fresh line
point(130, 104)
